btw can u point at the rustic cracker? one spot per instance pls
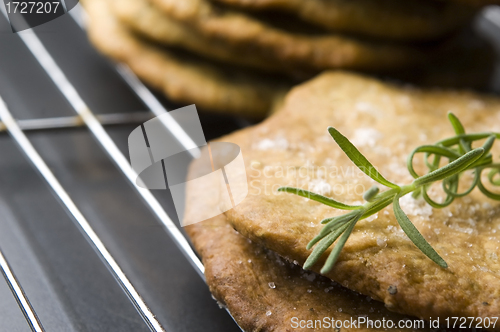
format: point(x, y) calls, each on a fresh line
point(144, 18)
point(184, 78)
point(415, 20)
point(304, 51)
point(241, 275)
point(385, 122)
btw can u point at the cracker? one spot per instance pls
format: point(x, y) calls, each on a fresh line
point(144, 18)
point(386, 122)
point(415, 20)
point(302, 50)
point(183, 78)
point(262, 291)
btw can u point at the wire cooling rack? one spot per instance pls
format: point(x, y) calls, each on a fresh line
point(81, 247)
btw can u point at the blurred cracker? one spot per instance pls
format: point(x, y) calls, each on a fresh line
point(303, 50)
point(183, 78)
point(410, 20)
point(144, 18)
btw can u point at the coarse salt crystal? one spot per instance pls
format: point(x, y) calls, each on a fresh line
point(372, 217)
point(366, 137)
point(415, 207)
point(310, 276)
point(319, 186)
point(269, 144)
point(364, 106)
point(381, 242)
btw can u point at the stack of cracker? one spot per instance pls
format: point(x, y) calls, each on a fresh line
point(242, 56)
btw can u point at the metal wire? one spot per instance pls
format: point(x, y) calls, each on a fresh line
point(21, 298)
point(75, 121)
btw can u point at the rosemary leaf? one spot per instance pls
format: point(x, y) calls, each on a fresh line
point(322, 246)
point(334, 254)
point(454, 167)
point(358, 159)
point(319, 198)
point(468, 137)
point(430, 149)
point(337, 218)
point(457, 125)
point(449, 199)
point(414, 235)
point(337, 222)
point(322, 235)
point(486, 192)
point(489, 144)
point(464, 146)
point(371, 193)
point(450, 185)
point(491, 177)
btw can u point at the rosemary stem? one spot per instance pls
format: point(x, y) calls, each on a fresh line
point(408, 189)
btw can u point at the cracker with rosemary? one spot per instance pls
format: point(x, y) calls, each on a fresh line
point(264, 292)
point(183, 77)
point(385, 122)
point(293, 44)
point(414, 20)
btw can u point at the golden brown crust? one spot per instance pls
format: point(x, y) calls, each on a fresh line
point(386, 123)
point(305, 51)
point(415, 20)
point(241, 275)
point(184, 79)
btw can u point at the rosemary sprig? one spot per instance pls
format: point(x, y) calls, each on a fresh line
point(460, 156)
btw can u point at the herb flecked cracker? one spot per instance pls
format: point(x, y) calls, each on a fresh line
point(264, 292)
point(386, 123)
